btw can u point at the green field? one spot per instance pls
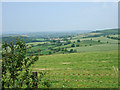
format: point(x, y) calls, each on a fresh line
point(97, 48)
point(103, 39)
point(92, 62)
point(79, 70)
point(95, 65)
point(35, 43)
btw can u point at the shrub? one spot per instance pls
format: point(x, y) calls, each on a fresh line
point(71, 50)
point(16, 64)
point(73, 45)
point(98, 40)
point(50, 53)
point(77, 45)
point(78, 40)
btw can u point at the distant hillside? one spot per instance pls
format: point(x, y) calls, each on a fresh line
point(107, 32)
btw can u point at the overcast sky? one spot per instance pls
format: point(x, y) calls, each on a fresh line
point(59, 16)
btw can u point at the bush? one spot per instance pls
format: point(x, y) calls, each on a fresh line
point(98, 40)
point(16, 64)
point(90, 44)
point(77, 45)
point(73, 45)
point(68, 42)
point(38, 44)
point(71, 50)
point(78, 40)
point(50, 53)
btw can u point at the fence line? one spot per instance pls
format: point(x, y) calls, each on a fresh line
point(81, 74)
point(96, 81)
point(85, 81)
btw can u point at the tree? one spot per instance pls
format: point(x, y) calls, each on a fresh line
point(77, 45)
point(16, 63)
point(65, 39)
point(78, 40)
point(74, 42)
point(50, 53)
point(38, 44)
point(66, 50)
point(59, 49)
point(98, 40)
point(68, 42)
point(73, 45)
point(71, 50)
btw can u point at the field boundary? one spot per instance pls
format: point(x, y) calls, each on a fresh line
point(109, 82)
point(81, 74)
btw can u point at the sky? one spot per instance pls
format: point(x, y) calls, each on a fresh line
point(22, 17)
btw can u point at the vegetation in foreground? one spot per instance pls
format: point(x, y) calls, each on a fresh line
point(15, 66)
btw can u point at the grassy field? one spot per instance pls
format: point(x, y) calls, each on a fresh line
point(102, 39)
point(95, 65)
point(91, 62)
point(97, 48)
point(36, 43)
point(79, 70)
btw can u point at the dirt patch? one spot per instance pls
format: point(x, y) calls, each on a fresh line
point(91, 61)
point(103, 61)
point(43, 68)
point(66, 62)
point(69, 68)
point(87, 71)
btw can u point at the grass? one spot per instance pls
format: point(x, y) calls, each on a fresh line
point(114, 35)
point(102, 39)
point(82, 43)
point(95, 65)
point(61, 66)
point(97, 48)
point(36, 43)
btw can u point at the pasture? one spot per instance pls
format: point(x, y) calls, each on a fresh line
point(97, 48)
point(86, 60)
point(102, 39)
point(80, 70)
point(36, 43)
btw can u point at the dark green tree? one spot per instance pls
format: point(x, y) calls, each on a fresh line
point(73, 45)
point(77, 45)
point(68, 42)
point(71, 50)
point(50, 52)
point(16, 64)
point(98, 40)
point(78, 40)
